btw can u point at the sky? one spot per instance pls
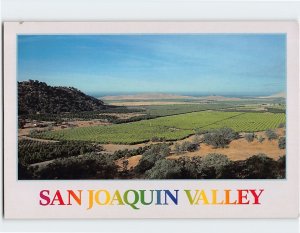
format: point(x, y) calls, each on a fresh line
point(196, 64)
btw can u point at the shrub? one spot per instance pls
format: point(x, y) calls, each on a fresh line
point(249, 137)
point(271, 134)
point(158, 139)
point(30, 152)
point(281, 125)
point(177, 148)
point(128, 153)
point(261, 139)
point(220, 138)
point(197, 139)
point(281, 143)
point(200, 131)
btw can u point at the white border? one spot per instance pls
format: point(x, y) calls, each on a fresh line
point(281, 196)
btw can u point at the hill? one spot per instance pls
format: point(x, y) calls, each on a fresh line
point(276, 95)
point(37, 97)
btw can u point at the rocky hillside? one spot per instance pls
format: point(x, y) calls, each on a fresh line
point(36, 97)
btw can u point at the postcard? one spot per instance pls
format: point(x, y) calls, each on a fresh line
point(151, 119)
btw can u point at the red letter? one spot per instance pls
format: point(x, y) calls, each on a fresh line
point(256, 196)
point(44, 197)
point(57, 197)
point(241, 196)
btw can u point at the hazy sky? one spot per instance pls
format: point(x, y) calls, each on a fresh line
point(228, 64)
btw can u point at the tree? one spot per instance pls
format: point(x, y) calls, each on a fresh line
point(282, 167)
point(125, 164)
point(256, 167)
point(164, 169)
point(220, 137)
point(249, 137)
point(208, 167)
point(189, 167)
point(150, 156)
point(216, 162)
point(281, 143)
point(189, 146)
point(271, 134)
point(21, 123)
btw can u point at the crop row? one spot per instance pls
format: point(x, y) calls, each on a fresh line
point(170, 127)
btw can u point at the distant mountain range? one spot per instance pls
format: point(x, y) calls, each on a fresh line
point(37, 97)
point(161, 96)
point(147, 96)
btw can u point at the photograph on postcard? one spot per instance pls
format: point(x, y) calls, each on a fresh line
point(152, 106)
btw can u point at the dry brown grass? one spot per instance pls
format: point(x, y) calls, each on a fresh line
point(240, 149)
point(132, 162)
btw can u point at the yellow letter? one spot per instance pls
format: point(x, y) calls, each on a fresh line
point(214, 197)
point(107, 197)
point(202, 196)
point(91, 198)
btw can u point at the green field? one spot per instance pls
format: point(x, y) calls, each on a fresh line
point(174, 109)
point(170, 127)
point(249, 122)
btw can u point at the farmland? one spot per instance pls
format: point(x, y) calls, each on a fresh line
point(174, 137)
point(169, 127)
